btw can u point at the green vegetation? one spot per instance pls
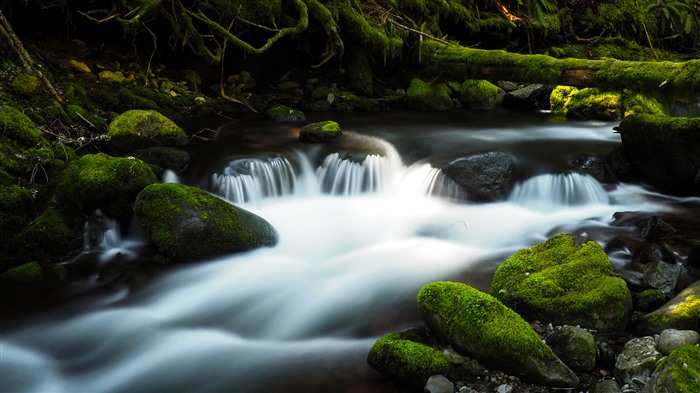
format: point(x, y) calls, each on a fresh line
point(679, 371)
point(559, 281)
point(407, 361)
point(140, 129)
point(651, 299)
point(186, 223)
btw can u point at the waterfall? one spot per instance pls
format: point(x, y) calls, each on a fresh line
point(169, 176)
point(569, 189)
point(424, 179)
point(252, 179)
point(101, 233)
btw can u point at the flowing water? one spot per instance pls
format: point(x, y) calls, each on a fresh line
point(359, 234)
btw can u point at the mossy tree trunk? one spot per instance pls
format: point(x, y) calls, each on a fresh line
point(665, 80)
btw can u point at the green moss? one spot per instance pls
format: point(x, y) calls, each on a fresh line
point(49, 236)
point(187, 223)
point(561, 282)
point(591, 103)
point(680, 369)
point(320, 132)
point(478, 94)
point(651, 299)
point(407, 361)
point(637, 103)
point(29, 272)
point(26, 84)
point(560, 98)
point(480, 318)
point(138, 129)
point(423, 96)
point(99, 181)
point(17, 126)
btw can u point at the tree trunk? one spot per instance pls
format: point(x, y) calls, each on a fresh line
point(664, 79)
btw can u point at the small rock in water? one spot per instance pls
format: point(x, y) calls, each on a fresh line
point(439, 384)
point(505, 388)
point(671, 339)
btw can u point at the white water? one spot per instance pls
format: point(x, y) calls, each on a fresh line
point(300, 316)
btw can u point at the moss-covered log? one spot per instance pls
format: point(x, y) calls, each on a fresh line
point(664, 79)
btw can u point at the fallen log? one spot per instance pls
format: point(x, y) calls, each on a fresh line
point(666, 80)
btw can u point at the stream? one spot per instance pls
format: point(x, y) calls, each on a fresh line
point(357, 240)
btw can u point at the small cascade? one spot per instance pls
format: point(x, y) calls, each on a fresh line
point(252, 179)
point(569, 189)
point(424, 179)
point(169, 176)
point(340, 176)
point(101, 233)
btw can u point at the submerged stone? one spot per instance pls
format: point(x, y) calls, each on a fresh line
point(186, 223)
point(480, 326)
point(565, 280)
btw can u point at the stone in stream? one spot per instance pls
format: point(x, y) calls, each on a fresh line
point(186, 223)
point(485, 177)
point(636, 362)
point(566, 280)
point(677, 372)
point(320, 132)
point(671, 339)
point(480, 326)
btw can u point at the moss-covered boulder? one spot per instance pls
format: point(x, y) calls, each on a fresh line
point(566, 281)
point(186, 223)
point(664, 151)
point(591, 103)
point(406, 360)
point(320, 132)
point(480, 94)
point(100, 181)
point(480, 326)
point(423, 96)
point(141, 129)
point(52, 235)
point(26, 273)
point(677, 372)
point(682, 312)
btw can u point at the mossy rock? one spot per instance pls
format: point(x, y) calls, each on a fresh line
point(682, 313)
point(480, 326)
point(27, 85)
point(575, 347)
point(285, 113)
point(591, 103)
point(677, 372)
point(100, 181)
point(407, 361)
point(320, 132)
point(16, 126)
point(423, 96)
point(560, 98)
point(49, 236)
point(16, 204)
point(141, 129)
point(664, 151)
point(479, 94)
point(186, 223)
point(27, 273)
point(566, 281)
point(651, 299)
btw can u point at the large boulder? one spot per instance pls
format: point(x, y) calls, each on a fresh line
point(484, 177)
point(186, 223)
point(664, 151)
point(565, 280)
point(141, 129)
point(681, 312)
point(405, 359)
point(478, 325)
point(677, 372)
point(100, 181)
